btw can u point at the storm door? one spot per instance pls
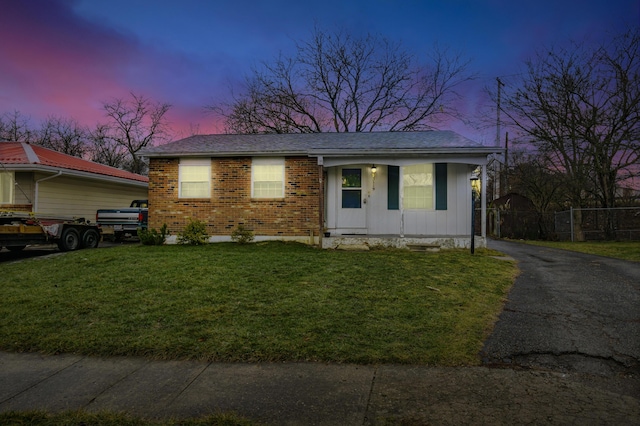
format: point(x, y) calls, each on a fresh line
point(352, 200)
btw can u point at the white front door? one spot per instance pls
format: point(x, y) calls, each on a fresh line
point(352, 200)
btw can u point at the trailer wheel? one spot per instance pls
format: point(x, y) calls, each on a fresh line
point(70, 240)
point(90, 238)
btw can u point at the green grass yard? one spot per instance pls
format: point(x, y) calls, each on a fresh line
point(256, 302)
point(625, 250)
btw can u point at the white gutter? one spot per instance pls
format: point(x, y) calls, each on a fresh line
point(77, 173)
point(35, 201)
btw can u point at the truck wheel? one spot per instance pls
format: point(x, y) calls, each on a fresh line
point(90, 238)
point(70, 240)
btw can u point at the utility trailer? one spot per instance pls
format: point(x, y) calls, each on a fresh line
point(18, 230)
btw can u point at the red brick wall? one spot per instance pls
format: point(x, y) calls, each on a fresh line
point(231, 204)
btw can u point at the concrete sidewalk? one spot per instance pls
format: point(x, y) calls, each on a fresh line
point(310, 393)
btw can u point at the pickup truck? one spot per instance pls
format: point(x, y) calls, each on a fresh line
point(124, 222)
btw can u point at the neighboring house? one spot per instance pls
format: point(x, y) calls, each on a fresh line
point(515, 216)
point(380, 188)
point(49, 183)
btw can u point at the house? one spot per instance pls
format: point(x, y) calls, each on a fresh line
point(379, 188)
point(515, 216)
point(50, 183)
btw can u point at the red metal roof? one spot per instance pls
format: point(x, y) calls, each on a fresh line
point(24, 153)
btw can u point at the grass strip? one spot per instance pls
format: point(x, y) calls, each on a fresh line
point(76, 418)
point(624, 250)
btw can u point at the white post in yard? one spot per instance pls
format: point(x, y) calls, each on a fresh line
point(483, 202)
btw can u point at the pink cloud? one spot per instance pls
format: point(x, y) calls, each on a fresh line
point(56, 63)
point(53, 59)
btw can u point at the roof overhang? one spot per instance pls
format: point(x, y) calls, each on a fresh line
point(339, 153)
point(74, 173)
point(212, 154)
point(406, 152)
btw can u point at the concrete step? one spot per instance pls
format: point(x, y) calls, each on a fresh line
point(424, 247)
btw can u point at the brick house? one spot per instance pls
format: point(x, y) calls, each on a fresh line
point(389, 188)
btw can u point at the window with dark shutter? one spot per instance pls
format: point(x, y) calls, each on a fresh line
point(441, 186)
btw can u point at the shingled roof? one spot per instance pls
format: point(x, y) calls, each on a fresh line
point(320, 144)
point(23, 155)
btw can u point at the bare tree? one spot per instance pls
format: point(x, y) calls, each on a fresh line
point(339, 83)
point(133, 124)
point(580, 108)
point(532, 177)
point(15, 127)
point(64, 135)
point(104, 149)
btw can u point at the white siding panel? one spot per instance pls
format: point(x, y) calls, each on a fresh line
point(68, 196)
point(462, 212)
point(331, 198)
point(23, 192)
point(444, 224)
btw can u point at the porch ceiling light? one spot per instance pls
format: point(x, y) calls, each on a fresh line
point(374, 169)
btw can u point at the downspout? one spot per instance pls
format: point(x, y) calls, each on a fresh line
point(36, 198)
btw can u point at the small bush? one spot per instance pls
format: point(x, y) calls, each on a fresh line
point(151, 237)
point(242, 235)
point(195, 233)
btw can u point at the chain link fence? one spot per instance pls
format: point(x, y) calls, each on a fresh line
point(591, 224)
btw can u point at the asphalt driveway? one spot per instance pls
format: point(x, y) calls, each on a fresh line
point(570, 312)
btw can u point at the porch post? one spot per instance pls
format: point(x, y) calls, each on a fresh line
point(321, 199)
point(483, 202)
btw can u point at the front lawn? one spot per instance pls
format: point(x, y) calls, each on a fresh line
point(257, 302)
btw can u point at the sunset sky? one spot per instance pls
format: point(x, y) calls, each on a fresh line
point(65, 57)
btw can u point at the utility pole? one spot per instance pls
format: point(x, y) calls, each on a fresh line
point(506, 163)
point(500, 84)
point(499, 172)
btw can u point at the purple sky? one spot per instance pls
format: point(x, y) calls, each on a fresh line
point(65, 57)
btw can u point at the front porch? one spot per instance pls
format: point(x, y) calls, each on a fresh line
point(418, 242)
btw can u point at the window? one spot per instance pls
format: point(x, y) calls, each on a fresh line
point(267, 178)
point(6, 187)
point(417, 183)
point(351, 188)
point(195, 178)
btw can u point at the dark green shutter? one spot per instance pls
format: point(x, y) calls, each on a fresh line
point(441, 186)
point(393, 187)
